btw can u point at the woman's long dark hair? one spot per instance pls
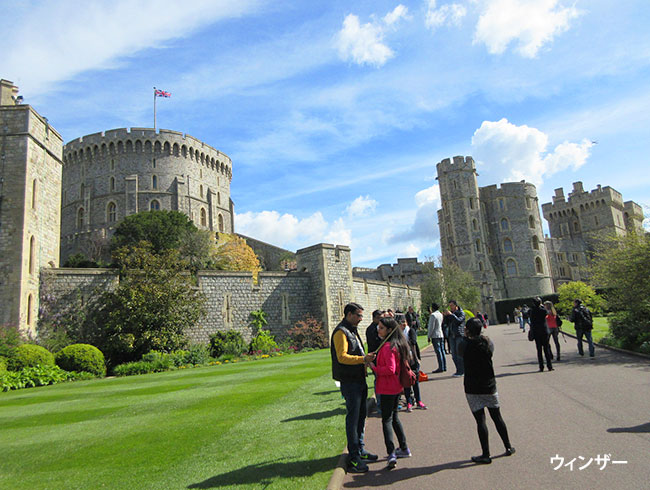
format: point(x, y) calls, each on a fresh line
point(474, 329)
point(397, 340)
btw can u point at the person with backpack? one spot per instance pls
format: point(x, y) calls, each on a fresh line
point(387, 367)
point(583, 324)
point(412, 395)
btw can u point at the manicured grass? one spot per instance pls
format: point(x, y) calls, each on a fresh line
point(273, 423)
point(601, 328)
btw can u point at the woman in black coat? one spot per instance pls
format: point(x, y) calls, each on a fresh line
point(540, 333)
point(481, 388)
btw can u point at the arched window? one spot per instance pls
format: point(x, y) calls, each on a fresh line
point(507, 245)
point(480, 265)
point(112, 184)
point(80, 218)
point(477, 244)
point(111, 212)
point(220, 222)
point(504, 224)
point(576, 226)
point(112, 163)
point(153, 163)
point(154, 205)
point(154, 182)
point(474, 225)
point(539, 269)
point(34, 194)
point(502, 204)
point(531, 222)
point(511, 267)
point(32, 245)
point(29, 309)
point(471, 203)
point(528, 202)
point(203, 217)
point(535, 242)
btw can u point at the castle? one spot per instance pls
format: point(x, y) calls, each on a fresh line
point(58, 200)
point(496, 233)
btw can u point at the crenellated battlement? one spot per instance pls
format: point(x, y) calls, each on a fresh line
point(458, 163)
point(146, 140)
point(581, 201)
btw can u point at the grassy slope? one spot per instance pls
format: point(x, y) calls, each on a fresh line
point(277, 422)
point(601, 328)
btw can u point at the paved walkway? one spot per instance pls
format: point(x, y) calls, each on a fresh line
point(585, 408)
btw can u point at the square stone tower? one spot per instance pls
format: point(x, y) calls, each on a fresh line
point(30, 206)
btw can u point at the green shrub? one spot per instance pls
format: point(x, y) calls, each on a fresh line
point(3, 364)
point(10, 338)
point(35, 376)
point(308, 333)
point(29, 355)
point(227, 343)
point(198, 354)
point(262, 343)
point(143, 367)
point(81, 357)
point(179, 357)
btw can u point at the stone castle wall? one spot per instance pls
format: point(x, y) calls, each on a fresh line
point(30, 182)
point(116, 173)
point(321, 290)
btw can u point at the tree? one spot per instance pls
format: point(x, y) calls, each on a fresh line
point(234, 254)
point(151, 308)
point(622, 266)
point(198, 248)
point(578, 290)
point(446, 282)
point(163, 229)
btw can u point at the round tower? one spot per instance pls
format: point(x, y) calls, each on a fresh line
point(116, 173)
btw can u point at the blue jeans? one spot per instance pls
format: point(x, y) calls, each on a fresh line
point(355, 394)
point(438, 347)
point(521, 322)
point(454, 344)
point(590, 341)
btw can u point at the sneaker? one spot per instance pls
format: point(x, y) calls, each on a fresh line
point(403, 453)
point(366, 456)
point(510, 451)
point(421, 406)
point(357, 466)
point(457, 375)
point(482, 459)
point(392, 460)
point(409, 407)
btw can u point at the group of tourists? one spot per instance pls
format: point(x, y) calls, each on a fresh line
point(545, 324)
point(392, 345)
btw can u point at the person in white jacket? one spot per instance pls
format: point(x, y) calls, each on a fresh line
point(436, 337)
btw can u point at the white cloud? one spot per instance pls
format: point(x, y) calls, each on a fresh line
point(364, 44)
point(529, 23)
point(425, 224)
point(54, 41)
point(450, 14)
point(361, 206)
point(520, 152)
point(288, 231)
point(411, 251)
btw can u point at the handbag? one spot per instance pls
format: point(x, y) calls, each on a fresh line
point(422, 376)
point(558, 321)
point(407, 377)
point(531, 335)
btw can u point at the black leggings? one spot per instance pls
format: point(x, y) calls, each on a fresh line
point(481, 426)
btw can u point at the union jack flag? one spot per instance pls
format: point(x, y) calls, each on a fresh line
point(162, 93)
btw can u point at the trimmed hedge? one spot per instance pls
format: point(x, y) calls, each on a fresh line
point(30, 355)
point(81, 357)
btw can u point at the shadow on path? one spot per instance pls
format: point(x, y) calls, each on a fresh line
point(318, 415)
point(637, 428)
point(385, 477)
point(267, 473)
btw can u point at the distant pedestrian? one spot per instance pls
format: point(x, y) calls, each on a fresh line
point(519, 318)
point(481, 389)
point(349, 368)
point(507, 319)
point(583, 324)
point(436, 337)
point(540, 333)
point(387, 367)
point(456, 334)
point(412, 318)
point(553, 323)
point(525, 313)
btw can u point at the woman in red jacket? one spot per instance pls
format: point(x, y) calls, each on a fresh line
point(387, 368)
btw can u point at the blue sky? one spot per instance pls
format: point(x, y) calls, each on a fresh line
point(335, 113)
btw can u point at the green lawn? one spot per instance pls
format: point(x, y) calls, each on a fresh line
point(273, 423)
point(601, 328)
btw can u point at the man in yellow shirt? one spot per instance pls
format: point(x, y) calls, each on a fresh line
point(349, 368)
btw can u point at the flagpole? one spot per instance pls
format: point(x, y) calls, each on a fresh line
point(154, 109)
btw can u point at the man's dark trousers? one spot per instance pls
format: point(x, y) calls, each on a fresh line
point(356, 395)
